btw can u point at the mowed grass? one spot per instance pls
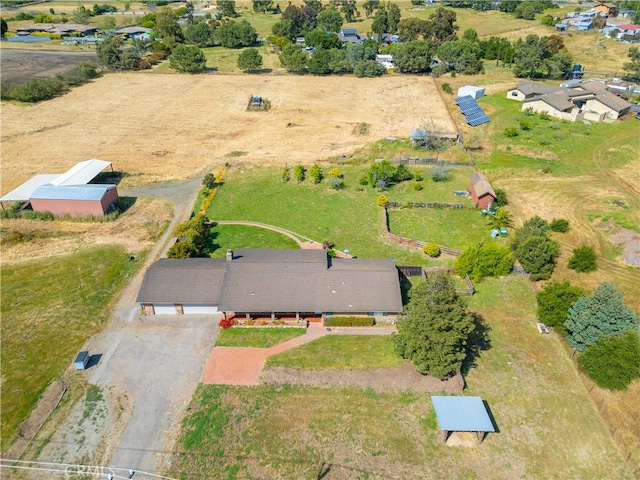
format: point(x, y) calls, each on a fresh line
point(340, 352)
point(256, 337)
point(350, 217)
point(453, 228)
point(547, 426)
point(50, 308)
point(222, 237)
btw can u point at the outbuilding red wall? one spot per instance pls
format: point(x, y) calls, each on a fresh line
point(76, 208)
point(483, 202)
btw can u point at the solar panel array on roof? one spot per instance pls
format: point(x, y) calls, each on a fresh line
point(472, 112)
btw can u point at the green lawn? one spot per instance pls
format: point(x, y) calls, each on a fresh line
point(50, 307)
point(256, 337)
point(350, 218)
point(562, 148)
point(222, 237)
point(336, 352)
point(449, 227)
point(547, 425)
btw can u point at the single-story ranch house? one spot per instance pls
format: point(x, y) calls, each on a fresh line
point(588, 100)
point(254, 283)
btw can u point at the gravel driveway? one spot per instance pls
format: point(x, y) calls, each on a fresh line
point(157, 361)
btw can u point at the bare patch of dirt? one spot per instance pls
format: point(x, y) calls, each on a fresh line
point(91, 431)
point(403, 378)
point(20, 66)
point(630, 242)
point(528, 152)
point(462, 439)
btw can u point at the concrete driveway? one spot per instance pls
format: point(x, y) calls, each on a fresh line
point(158, 361)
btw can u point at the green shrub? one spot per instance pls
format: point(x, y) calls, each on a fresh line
point(560, 225)
point(484, 260)
point(336, 183)
point(511, 132)
point(316, 174)
point(440, 174)
point(613, 362)
point(299, 173)
point(336, 172)
point(501, 198)
point(363, 180)
point(554, 302)
point(447, 88)
point(286, 174)
point(418, 186)
point(524, 124)
point(417, 177)
point(36, 90)
point(209, 180)
point(349, 321)
point(431, 249)
point(382, 200)
point(583, 259)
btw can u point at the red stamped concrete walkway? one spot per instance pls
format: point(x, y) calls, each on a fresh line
point(243, 365)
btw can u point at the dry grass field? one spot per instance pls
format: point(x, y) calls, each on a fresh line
point(171, 127)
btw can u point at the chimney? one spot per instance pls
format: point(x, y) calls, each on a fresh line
point(229, 254)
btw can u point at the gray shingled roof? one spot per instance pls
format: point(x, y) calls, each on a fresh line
point(190, 280)
point(481, 185)
point(612, 101)
point(307, 281)
point(532, 88)
point(556, 100)
point(277, 281)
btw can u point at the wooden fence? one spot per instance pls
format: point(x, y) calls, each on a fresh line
point(419, 271)
point(430, 161)
point(426, 205)
point(410, 241)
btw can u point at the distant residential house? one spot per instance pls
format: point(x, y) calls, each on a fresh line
point(626, 13)
point(481, 191)
point(620, 86)
point(554, 104)
point(350, 35)
point(59, 28)
point(135, 31)
point(560, 27)
point(608, 9)
point(385, 60)
point(526, 90)
point(627, 29)
point(588, 99)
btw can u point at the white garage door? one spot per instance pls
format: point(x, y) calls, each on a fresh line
point(199, 309)
point(164, 309)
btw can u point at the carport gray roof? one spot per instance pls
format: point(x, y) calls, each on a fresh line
point(190, 280)
point(308, 281)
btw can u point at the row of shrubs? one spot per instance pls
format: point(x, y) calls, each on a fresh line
point(349, 321)
point(39, 89)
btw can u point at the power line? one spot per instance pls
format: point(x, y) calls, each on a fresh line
point(78, 469)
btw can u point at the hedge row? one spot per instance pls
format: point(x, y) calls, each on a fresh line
point(349, 321)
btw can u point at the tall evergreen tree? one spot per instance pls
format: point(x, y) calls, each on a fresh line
point(434, 329)
point(602, 314)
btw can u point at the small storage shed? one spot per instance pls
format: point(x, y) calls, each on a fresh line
point(475, 92)
point(74, 200)
point(462, 414)
point(81, 361)
point(481, 191)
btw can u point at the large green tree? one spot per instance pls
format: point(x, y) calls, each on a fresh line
point(534, 249)
point(167, 27)
point(4, 28)
point(413, 57)
point(413, 28)
point(227, 8)
point(249, 59)
point(261, 5)
point(110, 52)
point(329, 20)
point(443, 26)
point(293, 58)
point(484, 260)
point(554, 302)
point(434, 328)
point(613, 362)
point(236, 34)
point(632, 68)
point(199, 34)
point(188, 59)
point(602, 314)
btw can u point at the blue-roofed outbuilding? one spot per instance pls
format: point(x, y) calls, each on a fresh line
point(462, 414)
